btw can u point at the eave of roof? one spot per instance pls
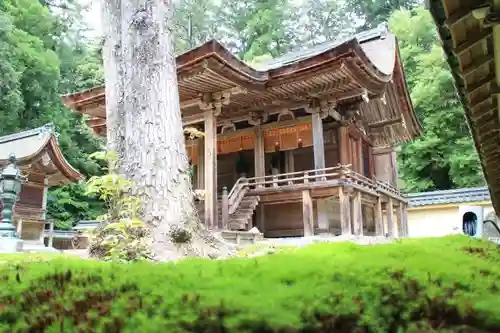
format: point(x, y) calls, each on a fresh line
point(31, 145)
point(443, 16)
point(463, 195)
point(286, 67)
point(367, 62)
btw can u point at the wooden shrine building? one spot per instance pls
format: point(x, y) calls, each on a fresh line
point(43, 166)
point(303, 144)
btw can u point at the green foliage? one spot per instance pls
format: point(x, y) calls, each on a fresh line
point(374, 12)
point(255, 28)
point(417, 285)
point(121, 235)
point(444, 157)
point(42, 55)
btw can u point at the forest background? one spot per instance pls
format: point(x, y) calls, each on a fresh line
point(48, 48)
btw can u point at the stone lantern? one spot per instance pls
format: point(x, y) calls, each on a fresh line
point(10, 188)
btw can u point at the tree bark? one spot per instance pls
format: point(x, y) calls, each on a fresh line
point(148, 111)
point(113, 74)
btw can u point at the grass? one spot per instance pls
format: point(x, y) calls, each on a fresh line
point(449, 284)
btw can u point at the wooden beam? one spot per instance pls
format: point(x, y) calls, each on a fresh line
point(471, 42)
point(477, 64)
point(473, 87)
point(307, 213)
point(457, 17)
point(386, 122)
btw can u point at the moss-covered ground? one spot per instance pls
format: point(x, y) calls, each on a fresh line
point(449, 284)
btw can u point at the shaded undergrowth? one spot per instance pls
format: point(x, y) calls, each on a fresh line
point(428, 285)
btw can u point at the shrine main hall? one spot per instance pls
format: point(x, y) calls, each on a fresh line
point(301, 145)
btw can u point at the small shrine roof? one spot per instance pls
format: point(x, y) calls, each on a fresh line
point(37, 151)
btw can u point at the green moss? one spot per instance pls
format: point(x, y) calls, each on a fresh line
point(426, 285)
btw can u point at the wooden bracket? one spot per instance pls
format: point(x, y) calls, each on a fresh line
point(258, 118)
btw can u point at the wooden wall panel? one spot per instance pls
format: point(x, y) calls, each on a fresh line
point(306, 136)
point(303, 159)
point(31, 196)
point(270, 140)
point(226, 171)
point(288, 141)
point(283, 220)
point(331, 156)
point(227, 146)
point(247, 142)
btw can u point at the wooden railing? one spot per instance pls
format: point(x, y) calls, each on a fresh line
point(232, 200)
point(295, 178)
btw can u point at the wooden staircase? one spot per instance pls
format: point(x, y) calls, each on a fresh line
point(240, 219)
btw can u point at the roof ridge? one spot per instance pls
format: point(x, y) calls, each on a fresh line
point(47, 129)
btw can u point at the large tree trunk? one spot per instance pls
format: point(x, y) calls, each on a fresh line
point(154, 153)
point(112, 58)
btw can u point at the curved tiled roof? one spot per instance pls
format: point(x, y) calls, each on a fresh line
point(366, 64)
point(37, 148)
point(462, 195)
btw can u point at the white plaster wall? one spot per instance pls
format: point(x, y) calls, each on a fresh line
point(433, 222)
point(439, 221)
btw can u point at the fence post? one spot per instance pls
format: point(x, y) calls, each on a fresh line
point(225, 209)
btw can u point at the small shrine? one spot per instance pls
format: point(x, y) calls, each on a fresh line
point(42, 164)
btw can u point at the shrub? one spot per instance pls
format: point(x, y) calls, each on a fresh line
point(121, 235)
point(425, 285)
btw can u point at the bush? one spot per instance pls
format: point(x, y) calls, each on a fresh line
point(121, 235)
point(418, 285)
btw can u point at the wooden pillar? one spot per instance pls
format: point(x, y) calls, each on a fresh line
point(45, 192)
point(290, 161)
point(379, 220)
point(318, 141)
point(51, 234)
point(400, 221)
point(345, 212)
point(307, 213)
point(394, 168)
point(404, 225)
point(260, 218)
point(19, 228)
point(259, 154)
point(361, 164)
point(210, 152)
point(342, 145)
point(357, 216)
point(225, 209)
point(200, 177)
point(390, 218)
